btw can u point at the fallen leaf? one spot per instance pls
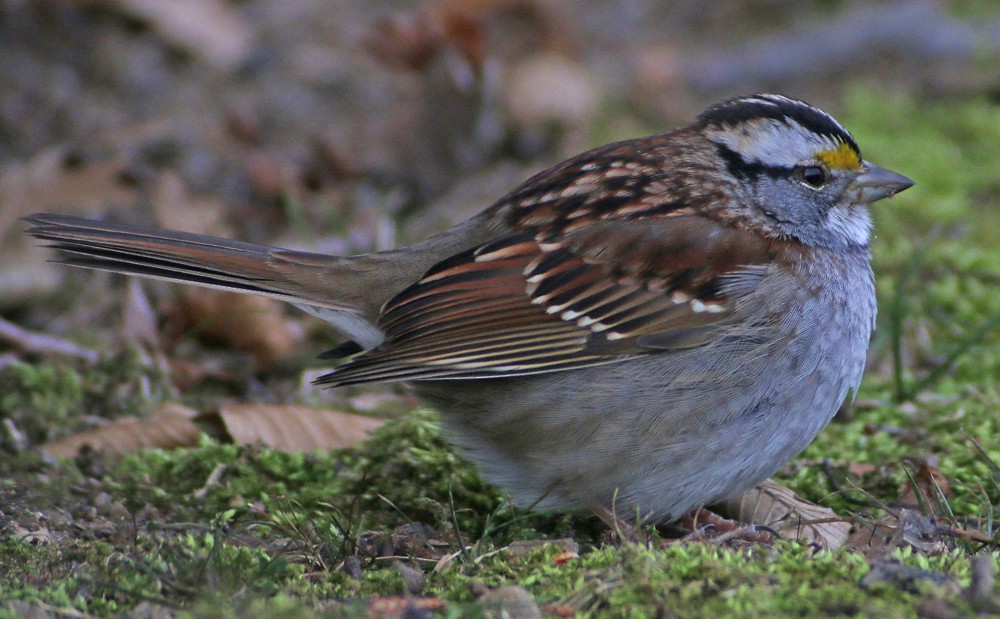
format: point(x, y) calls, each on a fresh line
point(559, 610)
point(869, 535)
point(778, 507)
point(294, 428)
point(177, 209)
point(255, 325)
point(285, 427)
point(49, 182)
point(412, 39)
point(211, 29)
point(171, 425)
point(186, 374)
point(860, 468)
point(565, 557)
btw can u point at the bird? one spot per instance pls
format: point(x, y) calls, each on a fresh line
point(643, 329)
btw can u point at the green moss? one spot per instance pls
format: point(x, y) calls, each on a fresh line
point(405, 473)
point(39, 398)
point(166, 568)
point(49, 400)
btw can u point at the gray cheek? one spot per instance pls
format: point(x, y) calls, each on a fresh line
point(786, 202)
point(805, 214)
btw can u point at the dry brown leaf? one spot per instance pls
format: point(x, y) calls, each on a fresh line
point(211, 29)
point(552, 19)
point(284, 427)
point(186, 374)
point(778, 507)
point(412, 39)
point(294, 428)
point(870, 535)
point(860, 468)
point(558, 610)
point(171, 425)
point(47, 182)
point(255, 325)
point(177, 209)
point(551, 88)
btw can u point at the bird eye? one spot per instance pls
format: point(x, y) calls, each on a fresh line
point(813, 175)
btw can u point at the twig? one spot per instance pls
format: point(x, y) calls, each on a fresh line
point(212, 481)
point(39, 343)
point(972, 536)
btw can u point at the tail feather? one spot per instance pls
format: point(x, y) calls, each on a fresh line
point(347, 292)
point(189, 258)
point(328, 287)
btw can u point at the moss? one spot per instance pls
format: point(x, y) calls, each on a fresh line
point(48, 400)
point(38, 399)
point(404, 473)
point(215, 567)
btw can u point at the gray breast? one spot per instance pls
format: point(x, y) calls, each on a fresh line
point(671, 431)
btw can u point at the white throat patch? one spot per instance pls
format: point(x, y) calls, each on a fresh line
point(852, 222)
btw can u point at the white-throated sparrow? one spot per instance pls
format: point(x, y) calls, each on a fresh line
point(652, 325)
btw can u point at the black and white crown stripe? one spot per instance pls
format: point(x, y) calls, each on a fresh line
point(774, 130)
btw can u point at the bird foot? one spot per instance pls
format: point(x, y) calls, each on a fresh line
point(710, 527)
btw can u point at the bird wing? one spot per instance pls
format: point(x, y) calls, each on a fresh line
point(600, 293)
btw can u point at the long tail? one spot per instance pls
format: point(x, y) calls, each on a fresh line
point(343, 291)
point(347, 292)
point(190, 258)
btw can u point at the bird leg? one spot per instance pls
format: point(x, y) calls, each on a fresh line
point(702, 521)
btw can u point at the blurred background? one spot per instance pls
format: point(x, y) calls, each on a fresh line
point(355, 125)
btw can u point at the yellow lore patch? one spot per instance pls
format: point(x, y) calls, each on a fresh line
point(843, 157)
